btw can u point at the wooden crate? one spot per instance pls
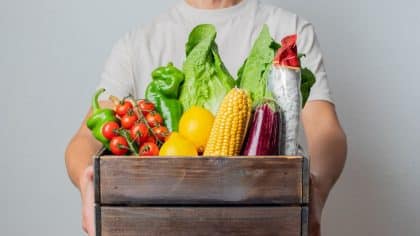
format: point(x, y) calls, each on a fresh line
point(201, 196)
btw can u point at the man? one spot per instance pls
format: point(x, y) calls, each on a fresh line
point(238, 23)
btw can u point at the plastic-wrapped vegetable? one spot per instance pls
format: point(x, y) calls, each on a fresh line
point(264, 134)
point(284, 82)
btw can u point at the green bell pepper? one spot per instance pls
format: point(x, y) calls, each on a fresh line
point(163, 91)
point(100, 116)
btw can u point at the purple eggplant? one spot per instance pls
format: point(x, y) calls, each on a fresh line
point(264, 134)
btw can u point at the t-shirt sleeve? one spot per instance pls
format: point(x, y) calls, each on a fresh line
point(308, 44)
point(117, 77)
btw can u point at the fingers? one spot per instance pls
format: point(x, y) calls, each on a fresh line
point(314, 224)
point(88, 223)
point(84, 226)
point(88, 173)
point(315, 209)
point(88, 205)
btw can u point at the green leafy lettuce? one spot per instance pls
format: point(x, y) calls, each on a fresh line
point(207, 80)
point(253, 74)
point(307, 80)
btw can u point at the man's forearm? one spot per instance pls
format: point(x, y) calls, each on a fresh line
point(326, 143)
point(81, 149)
point(327, 150)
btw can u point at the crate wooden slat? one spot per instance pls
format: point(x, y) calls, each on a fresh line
point(201, 181)
point(133, 221)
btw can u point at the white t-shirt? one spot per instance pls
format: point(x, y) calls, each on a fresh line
point(133, 58)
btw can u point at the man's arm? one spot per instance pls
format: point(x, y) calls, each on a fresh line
point(82, 147)
point(78, 157)
point(327, 150)
point(326, 142)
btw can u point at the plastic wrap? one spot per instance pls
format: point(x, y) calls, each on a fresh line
point(285, 86)
point(284, 83)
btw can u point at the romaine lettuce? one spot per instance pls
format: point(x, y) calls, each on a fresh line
point(253, 74)
point(207, 80)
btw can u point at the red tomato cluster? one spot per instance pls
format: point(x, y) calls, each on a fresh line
point(140, 127)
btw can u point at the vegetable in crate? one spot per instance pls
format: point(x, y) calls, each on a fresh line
point(284, 82)
point(119, 145)
point(100, 117)
point(139, 132)
point(207, 81)
point(110, 129)
point(253, 74)
point(129, 120)
point(163, 91)
point(145, 106)
point(161, 132)
point(177, 145)
point(230, 125)
point(264, 134)
point(123, 107)
point(308, 80)
point(195, 125)
point(149, 149)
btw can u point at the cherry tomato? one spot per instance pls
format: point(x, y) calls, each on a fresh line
point(145, 106)
point(139, 132)
point(123, 108)
point(109, 129)
point(149, 149)
point(118, 146)
point(161, 132)
point(154, 119)
point(128, 120)
point(150, 139)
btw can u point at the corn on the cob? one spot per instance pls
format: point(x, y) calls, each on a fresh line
point(230, 125)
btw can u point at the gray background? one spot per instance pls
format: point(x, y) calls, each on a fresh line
point(52, 52)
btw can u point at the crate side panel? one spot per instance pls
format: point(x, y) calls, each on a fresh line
point(130, 221)
point(203, 181)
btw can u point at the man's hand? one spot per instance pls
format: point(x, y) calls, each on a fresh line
point(327, 151)
point(88, 205)
point(79, 153)
point(317, 202)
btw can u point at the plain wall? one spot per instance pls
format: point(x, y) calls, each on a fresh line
point(52, 52)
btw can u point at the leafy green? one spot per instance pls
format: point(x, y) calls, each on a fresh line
point(253, 74)
point(307, 80)
point(207, 80)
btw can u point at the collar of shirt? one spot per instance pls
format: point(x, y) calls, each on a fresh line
point(196, 15)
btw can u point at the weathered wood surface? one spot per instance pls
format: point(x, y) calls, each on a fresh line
point(136, 221)
point(201, 181)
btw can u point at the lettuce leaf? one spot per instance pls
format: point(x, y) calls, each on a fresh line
point(253, 74)
point(307, 80)
point(207, 80)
